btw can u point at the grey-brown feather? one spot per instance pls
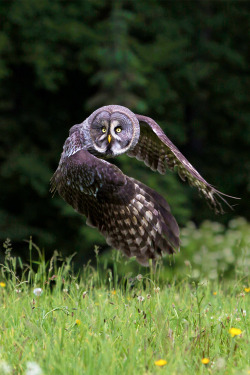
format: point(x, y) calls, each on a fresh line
point(158, 152)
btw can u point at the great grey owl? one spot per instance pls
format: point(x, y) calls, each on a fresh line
point(131, 216)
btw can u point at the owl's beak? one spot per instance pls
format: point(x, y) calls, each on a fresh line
point(109, 138)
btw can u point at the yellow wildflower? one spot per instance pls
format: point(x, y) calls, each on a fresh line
point(160, 362)
point(78, 322)
point(113, 292)
point(205, 361)
point(214, 293)
point(2, 284)
point(247, 290)
point(235, 331)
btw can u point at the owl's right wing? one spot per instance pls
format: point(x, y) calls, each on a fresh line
point(159, 153)
point(131, 216)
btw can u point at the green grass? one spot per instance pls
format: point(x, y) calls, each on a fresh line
point(127, 322)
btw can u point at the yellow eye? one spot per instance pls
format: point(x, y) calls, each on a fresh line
point(104, 129)
point(118, 129)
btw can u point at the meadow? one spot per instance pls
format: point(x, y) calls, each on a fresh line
point(188, 315)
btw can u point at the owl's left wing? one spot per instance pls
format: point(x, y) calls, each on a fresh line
point(131, 216)
point(158, 152)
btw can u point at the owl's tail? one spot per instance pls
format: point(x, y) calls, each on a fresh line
point(145, 228)
point(162, 228)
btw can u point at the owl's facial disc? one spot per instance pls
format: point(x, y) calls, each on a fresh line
point(112, 133)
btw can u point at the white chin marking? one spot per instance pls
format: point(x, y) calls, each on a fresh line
point(118, 149)
point(102, 150)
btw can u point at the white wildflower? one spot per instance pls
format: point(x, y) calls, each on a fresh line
point(140, 298)
point(221, 363)
point(244, 313)
point(4, 367)
point(38, 291)
point(84, 294)
point(139, 277)
point(157, 289)
point(33, 369)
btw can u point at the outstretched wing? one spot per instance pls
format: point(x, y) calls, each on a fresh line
point(131, 216)
point(158, 152)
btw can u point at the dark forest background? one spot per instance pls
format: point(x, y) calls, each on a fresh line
point(184, 63)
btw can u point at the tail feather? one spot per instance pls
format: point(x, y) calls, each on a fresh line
point(144, 228)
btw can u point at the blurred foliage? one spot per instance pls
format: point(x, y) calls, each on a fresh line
point(186, 64)
point(214, 251)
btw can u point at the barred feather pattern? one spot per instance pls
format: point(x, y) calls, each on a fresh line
point(131, 216)
point(159, 153)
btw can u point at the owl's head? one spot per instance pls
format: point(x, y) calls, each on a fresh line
point(113, 129)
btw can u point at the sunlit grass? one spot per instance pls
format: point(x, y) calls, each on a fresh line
point(103, 322)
